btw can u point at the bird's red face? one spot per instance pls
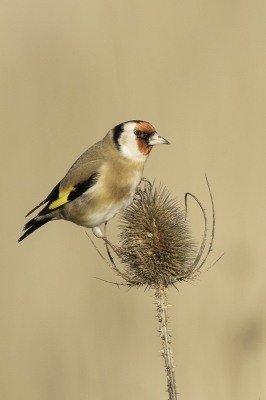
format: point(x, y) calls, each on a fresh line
point(147, 129)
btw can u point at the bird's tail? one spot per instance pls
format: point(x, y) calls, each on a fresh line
point(33, 224)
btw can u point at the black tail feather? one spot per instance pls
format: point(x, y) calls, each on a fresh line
point(51, 197)
point(35, 208)
point(32, 225)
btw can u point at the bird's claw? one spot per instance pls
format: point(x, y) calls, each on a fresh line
point(116, 249)
point(146, 182)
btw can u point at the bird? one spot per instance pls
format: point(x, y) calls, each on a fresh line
point(102, 182)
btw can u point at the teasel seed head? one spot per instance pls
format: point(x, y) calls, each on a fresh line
point(157, 246)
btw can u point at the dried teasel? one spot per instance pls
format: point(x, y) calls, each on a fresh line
point(157, 245)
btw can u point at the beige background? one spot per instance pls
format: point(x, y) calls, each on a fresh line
point(71, 70)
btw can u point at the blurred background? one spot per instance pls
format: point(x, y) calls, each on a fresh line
point(70, 71)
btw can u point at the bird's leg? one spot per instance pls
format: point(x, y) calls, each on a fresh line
point(105, 229)
point(98, 232)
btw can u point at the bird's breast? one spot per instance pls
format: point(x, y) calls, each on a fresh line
point(117, 184)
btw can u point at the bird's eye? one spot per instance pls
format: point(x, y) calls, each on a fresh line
point(138, 133)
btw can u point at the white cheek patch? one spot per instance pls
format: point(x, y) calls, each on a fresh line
point(129, 147)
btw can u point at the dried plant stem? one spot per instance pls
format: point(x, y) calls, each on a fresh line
point(161, 302)
point(158, 252)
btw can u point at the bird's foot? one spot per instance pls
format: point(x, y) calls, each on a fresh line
point(146, 182)
point(118, 250)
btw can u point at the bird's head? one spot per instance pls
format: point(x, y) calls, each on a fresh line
point(135, 139)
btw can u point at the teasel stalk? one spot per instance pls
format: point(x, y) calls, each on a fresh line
point(157, 251)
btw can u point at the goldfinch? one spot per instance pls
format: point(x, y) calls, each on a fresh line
point(102, 181)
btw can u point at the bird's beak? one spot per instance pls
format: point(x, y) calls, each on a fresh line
point(156, 139)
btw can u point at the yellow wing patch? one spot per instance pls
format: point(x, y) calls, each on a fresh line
point(62, 199)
